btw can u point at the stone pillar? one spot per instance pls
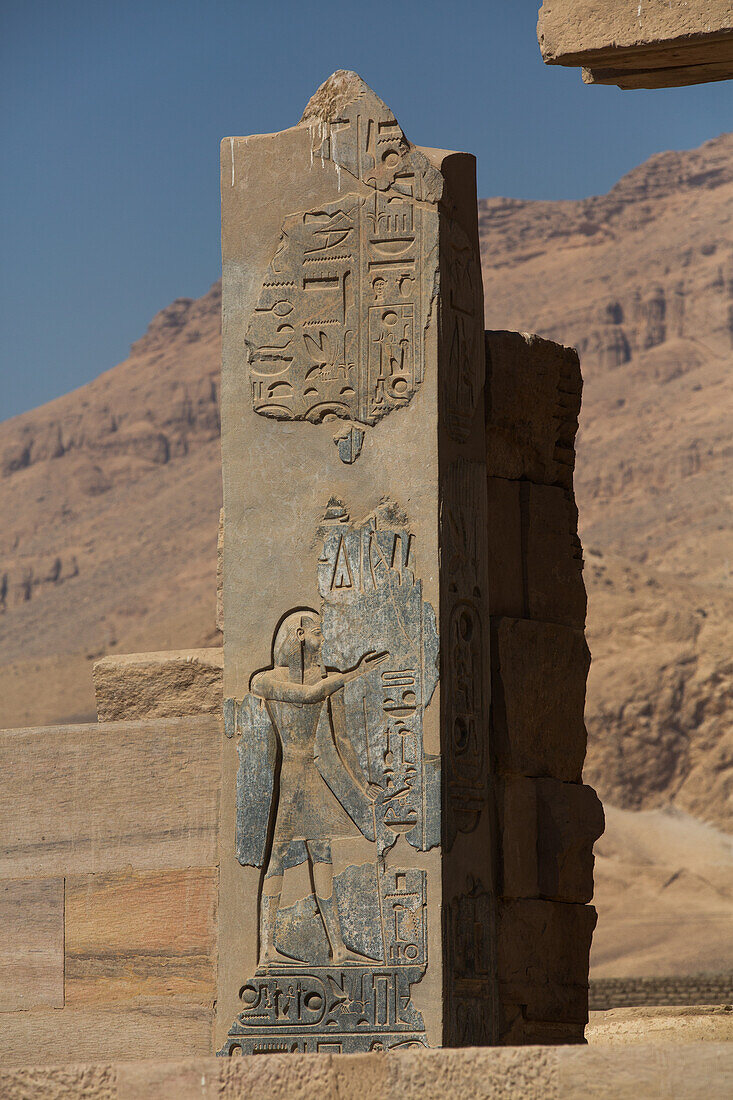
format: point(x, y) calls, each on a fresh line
point(548, 820)
point(356, 907)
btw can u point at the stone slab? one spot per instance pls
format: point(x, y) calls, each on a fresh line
point(542, 957)
point(533, 395)
point(683, 1024)
point(113, 1032)
point(102, 797)
point(135, 686)
point(548, 830)
point(535, 555)
point(690, 1071)
point(31, 944)
point(554, 558)
point(538, 730)
point(651, 45)
point(141, 935)
point(506, 547)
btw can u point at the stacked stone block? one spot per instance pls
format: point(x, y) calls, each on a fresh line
point(548, 820)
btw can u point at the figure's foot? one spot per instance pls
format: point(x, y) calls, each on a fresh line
point(343, 955)
point(273, 955)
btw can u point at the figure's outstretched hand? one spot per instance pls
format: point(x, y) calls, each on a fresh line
point(369, 661)
point(373, 791)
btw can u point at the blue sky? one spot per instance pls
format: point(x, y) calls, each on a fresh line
point(112, 114)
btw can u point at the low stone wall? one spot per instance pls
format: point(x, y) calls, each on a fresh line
point(699, 989)
point(686, 1071)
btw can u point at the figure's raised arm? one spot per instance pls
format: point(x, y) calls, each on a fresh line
point(273, 684)
point(369, 661)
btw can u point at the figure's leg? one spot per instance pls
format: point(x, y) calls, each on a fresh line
point(322, 866)
point(272, 885)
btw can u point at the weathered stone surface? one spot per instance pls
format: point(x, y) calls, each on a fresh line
point(688, 1071)
point(650, 45)
point(683, 1024)
point(140, 935)
point(505, 548)
point(533, 394)
point(59, 1083)
point(220, 572)
point(542, 958)
point(355, 815)
point(92, 798)
point(548, 829)
point(110, 1032)
point(554, 569)
point(520, 1031)
point(171, 684)
point(31, 943)
point(560, 939)
point(538, 730)
point(535, 556)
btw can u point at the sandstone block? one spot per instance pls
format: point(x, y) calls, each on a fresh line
point(102, 797)
point(538, 695)
point(533, 394)
point(535, 556)
point(519, 1031)
point(140, 935)
point(104, 1033)
point(651, 45)
point(661, 1024)
point(170, 684)
point(220, 572)
point(31, 944)
point(555, 588)
point(548, 830)
point(542, 956)
point(689, 1071)
point(505, 549)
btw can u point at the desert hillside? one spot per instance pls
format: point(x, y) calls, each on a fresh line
point(110, 494)
point(641, 281)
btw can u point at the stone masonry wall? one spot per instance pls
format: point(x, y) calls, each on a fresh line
point(696, 989)
point(548, 820)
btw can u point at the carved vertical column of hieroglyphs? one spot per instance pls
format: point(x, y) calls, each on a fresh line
point(355, 841)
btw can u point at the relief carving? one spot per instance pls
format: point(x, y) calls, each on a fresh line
point(463, 329)
point(331, 772)
point(338, 332)
point(468, 950)
point(466, 657)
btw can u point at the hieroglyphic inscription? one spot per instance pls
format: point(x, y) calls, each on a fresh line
point(468, 951)
point(331, 772)
point(466, 688)
point(338, 328)
point(327, 1010)
point(463, 330)
point(366, 575)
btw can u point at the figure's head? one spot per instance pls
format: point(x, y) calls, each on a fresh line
point(298, 642)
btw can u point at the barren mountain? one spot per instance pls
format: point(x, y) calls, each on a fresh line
point(641, 281)
point(110, 495)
